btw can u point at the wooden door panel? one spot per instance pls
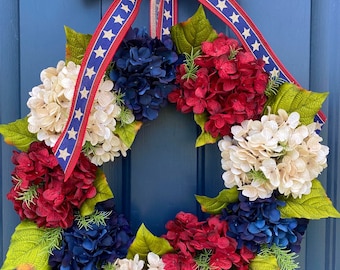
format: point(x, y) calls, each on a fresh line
point(164, 170)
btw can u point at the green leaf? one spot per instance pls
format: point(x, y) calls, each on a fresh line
point(27, 248)
point(216, 204)
point(17, 134)
point(205, 137)
point(127, 132)
point(146, 242)
point(103, 193)
point(76, 44)
point(292, 98)
point(191, 33)
point(264, 263)
point(315, 205)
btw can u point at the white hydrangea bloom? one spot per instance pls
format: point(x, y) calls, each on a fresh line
point(276, 152)
point(155, 262)
point(126, 264)
point(50, 104)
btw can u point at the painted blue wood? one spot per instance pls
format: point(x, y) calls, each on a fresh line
point(324, 238)
point(163, 170)
point(42, 38)
point(9, 109)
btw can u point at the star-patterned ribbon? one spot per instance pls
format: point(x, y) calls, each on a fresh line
point(232, 14)
point(109, 34)
point(163, 15)
point(102, 47)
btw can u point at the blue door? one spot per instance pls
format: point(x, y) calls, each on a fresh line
point(164, 170)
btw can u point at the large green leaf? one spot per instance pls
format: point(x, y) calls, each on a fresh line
point(103, 193)
point(217, 204)
point(205, 137)
point(264, 263)
point(190, 34)
point(146, 242)
point(127, 133)
point(76, 44)
point(315, 205)
point(27, 248)
point(17, 134)
point(291, 98)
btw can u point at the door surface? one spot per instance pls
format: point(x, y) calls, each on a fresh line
point(164, 170)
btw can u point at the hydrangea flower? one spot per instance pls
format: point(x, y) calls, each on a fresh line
point(126, 264)
point(39, 191)
point(203, 244)
point(229, 85)
point(143, 72)
point(50, 103)
point(256, 223)
point(154, 263)
point(93, 246)
point(274, 153)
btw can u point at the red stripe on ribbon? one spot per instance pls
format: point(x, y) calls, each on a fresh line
point(63, 144)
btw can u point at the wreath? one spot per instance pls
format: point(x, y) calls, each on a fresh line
point(271, 154)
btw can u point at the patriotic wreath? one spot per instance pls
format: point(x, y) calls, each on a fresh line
point(271, 154)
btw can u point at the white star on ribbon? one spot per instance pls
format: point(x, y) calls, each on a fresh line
point(221, 5)
point(72, 133)
point(63, 154)
point(265, 59)
point(84, 92)
point(167, 14)
point(100, 52)
point(125, 8)
point(108, 34)
point(166, 31)
point(275, 72)
point(118, 19)
point(256, 46)
point(234, 17)
point(167, 1)
point(78, 114)
point(318, 125)
point(246, 33)
point(132, 1)
point(90, 72)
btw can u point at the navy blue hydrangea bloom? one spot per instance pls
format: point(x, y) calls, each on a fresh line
point(254, 223)
point(91, 249)
point(144, 72)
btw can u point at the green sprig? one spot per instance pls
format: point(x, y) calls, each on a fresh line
point(285, 258)
point(120, 98)
point(125, 116)
point(203, 259)
point(233, 53)
point(28, 195)
point(257, 176)
point(109, 266)
point(190, 66)
point(273, 85)
point(96, 218)
point(51, 239)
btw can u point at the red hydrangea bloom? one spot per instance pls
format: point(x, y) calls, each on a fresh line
point(229, 86)
point(189, 237)
point(39, 192)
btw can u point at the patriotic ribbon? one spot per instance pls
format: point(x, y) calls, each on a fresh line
point(163, 15)
point(154, 12)
point(102, 47)
point(108, 36)
point(232, 14)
